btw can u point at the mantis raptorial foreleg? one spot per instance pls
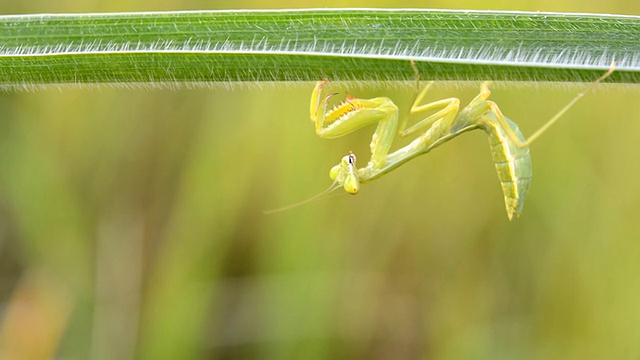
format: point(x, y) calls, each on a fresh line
point(509, 148)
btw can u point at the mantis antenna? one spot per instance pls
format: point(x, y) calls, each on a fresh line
point(327, 191)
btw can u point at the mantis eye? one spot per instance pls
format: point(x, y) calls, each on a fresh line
point(351, 159)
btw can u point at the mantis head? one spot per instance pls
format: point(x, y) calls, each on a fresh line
point(346, 174)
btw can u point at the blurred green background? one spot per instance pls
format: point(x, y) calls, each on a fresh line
point(132, 225)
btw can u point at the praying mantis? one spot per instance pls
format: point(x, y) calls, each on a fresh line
point(509, 148)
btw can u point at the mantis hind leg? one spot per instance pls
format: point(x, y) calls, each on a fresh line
point(522, 143)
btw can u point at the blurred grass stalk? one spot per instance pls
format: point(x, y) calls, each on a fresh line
point(173, 48)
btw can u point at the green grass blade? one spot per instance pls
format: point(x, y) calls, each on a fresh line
point(301, 45)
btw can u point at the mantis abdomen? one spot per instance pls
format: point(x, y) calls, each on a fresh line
point(513, 163)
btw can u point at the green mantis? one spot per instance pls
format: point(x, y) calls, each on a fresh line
point(509, 149)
